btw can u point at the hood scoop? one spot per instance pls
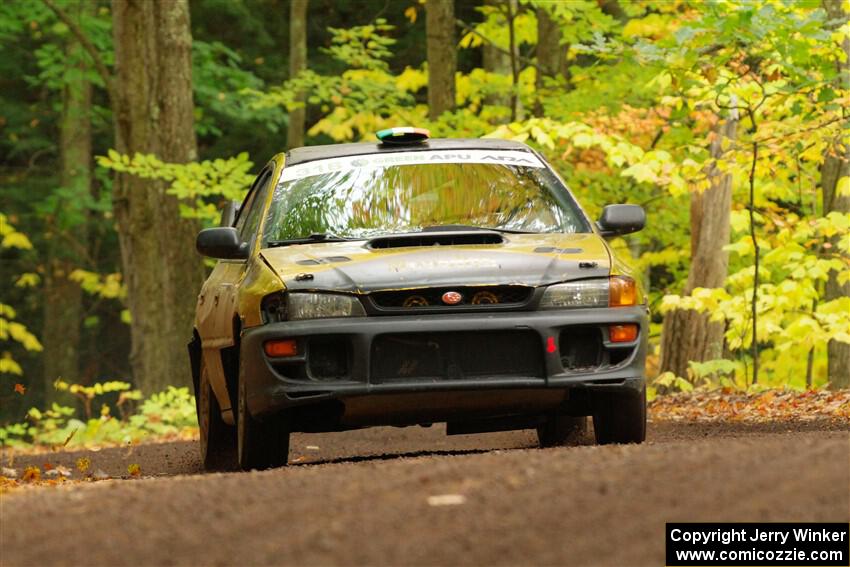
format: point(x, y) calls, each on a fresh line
point(414, 239)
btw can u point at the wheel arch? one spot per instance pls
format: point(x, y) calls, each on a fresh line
point(195, 354)
point(230, 362)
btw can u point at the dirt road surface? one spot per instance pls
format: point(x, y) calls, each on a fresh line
point(362, 498)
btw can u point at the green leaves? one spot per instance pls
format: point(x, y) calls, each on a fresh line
point(364, 98)
point(13, 334)
point(218, 82)
point(363, 47)
point(11, 238)
point(672, 383)
point(167, 413)
point(200, 186)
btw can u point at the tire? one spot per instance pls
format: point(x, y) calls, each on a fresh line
point(620, 417)
point(561, 431)
point(218, 440)
point(261, 444)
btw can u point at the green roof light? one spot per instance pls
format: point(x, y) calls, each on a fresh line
point(403, 135)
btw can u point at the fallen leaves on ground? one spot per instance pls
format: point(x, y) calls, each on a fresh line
point(770, 405)
point(7, 484)
point(55, 475)
point(58, 471)
point(189, 434)
point(446, 500)
point(31, 474)
point(100, 475)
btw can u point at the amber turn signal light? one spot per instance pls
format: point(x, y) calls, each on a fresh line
point(622, 291)
point(281, 347)
point(622, 333)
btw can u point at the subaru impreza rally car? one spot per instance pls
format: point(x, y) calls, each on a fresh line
point(410, 282)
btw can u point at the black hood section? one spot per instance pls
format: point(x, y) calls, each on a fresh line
point(437, 238)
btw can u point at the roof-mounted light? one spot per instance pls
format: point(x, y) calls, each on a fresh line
point(403, 135)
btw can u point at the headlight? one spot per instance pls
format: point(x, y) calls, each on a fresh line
point(322, 306)
point(616, 291)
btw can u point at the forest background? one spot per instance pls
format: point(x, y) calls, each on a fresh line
point(125, 127)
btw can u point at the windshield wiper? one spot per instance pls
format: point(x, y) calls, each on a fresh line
point(461, 227)
point(316, 237)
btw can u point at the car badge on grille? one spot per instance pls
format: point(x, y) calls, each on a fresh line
point(452, 298)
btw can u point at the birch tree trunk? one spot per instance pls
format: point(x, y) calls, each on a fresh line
point(65, 229)
point(688, 335)
point(442, 56)
point(836, 164)
point(154, 114)
point(297, 63)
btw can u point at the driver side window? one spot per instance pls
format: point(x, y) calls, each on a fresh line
point(251, 211)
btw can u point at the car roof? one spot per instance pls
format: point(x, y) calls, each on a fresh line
point(313, 153)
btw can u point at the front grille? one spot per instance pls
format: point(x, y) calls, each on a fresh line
point(456, 355)
point(478, 297)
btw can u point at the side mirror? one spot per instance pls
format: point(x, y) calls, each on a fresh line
point(228, 213)
point(222, 243)
point(617, 220)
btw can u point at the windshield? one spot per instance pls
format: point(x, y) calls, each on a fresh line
point(366, 196)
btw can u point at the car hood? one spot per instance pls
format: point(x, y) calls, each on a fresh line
point(524, 259)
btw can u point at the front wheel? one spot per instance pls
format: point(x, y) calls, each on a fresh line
point(620, 417)
point(218, 440)
point(262, 444)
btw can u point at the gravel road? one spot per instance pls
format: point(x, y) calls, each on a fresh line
point(366, 498)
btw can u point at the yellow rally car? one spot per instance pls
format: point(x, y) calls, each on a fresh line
point(415, 281)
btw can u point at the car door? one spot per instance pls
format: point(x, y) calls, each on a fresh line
point(217, 301)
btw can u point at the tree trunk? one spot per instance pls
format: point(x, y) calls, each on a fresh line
point(154, 114)
point(442, 56)
point(613, 9)
point(498, 61)
point(836, 164)
point(297, 63)
point(511, 13)
point(835, 167)
point(65, 229)
point(551, 55)
point(688, 335)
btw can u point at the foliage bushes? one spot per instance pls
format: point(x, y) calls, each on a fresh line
point(164, 414)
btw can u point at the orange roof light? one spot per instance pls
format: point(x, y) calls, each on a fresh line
point(622, 291)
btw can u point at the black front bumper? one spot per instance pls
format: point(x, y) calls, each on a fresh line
point(277, 384)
